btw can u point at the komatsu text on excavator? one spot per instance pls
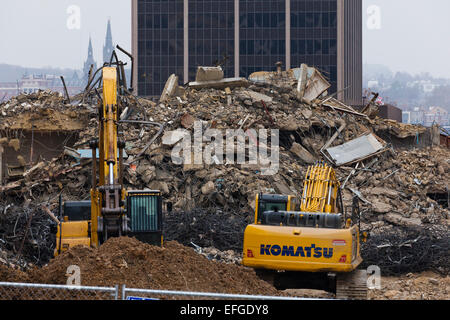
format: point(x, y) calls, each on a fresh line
point(112, 210)
point(308, 242)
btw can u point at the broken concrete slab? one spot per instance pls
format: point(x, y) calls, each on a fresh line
point(302, 153)
point(398, 219)
point(170, 88)
point(257, 97)
point(208, 188)
point(159, 185)
point(282, 188)
point(393, 194)
point(220, 84)
point(209, 74)
point(290, 125)
point(279, 77)
point(171, 138)
point(381, 207)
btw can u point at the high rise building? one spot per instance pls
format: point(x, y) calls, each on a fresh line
point(244, 36)
point(108, 47)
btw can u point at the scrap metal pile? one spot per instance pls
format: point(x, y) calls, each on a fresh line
point(406, 250)
point(395, 186)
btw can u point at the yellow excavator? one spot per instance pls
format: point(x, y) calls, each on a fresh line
point(308, 243)
point(112, 210)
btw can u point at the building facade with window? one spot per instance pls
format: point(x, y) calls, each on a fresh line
point(245, 36)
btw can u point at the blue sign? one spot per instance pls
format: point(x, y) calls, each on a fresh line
point(140, 298)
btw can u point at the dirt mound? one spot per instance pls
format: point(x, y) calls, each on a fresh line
point(135, 264)
point(8, 274)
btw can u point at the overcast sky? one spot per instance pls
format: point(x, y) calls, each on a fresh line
point(405, 35)
point(413, 36)
point(40, 33)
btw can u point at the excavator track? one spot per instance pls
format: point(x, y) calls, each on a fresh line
point(352, 286)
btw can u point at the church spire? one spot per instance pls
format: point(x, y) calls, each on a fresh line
point(90, 50)
point(90, 61)
point(108, 47)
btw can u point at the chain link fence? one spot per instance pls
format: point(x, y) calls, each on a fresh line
point(146, 294)
point(27, 291)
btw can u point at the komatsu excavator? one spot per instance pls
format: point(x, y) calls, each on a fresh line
point(308, 243)
point(112, 211)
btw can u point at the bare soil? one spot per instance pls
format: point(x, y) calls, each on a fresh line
point(139, 265)
point(176, 267)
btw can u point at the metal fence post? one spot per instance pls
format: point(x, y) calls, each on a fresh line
point(116, 294)
point(123, 292)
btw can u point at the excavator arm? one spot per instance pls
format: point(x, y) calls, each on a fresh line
point(108, 195)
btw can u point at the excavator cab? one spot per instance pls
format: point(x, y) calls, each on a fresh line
point(274, 202)
point(144, 220)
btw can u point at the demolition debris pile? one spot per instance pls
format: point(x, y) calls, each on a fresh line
point(397, 185)
point(41, 111)
point(423, 286)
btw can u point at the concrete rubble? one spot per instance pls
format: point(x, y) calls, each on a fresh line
point(213, 77)
point(413, 286)
point(405, 186)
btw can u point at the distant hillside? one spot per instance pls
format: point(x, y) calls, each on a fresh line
point(376, 70)
point(11, 73)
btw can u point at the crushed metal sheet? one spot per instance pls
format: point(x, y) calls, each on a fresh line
point(340, 106)
point(356, 150)
point(312, 84)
